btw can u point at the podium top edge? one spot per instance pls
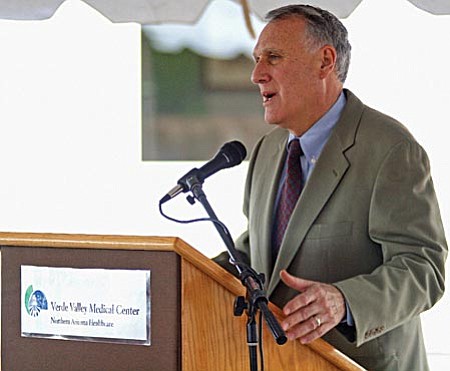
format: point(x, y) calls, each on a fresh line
point(156, 243)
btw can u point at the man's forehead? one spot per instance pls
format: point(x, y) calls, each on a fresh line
point(280, 35)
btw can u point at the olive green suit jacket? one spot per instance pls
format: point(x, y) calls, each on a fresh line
point(368, 222)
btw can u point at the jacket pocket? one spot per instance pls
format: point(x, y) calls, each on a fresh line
point(330, 230)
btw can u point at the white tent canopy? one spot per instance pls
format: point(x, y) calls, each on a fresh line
point(157, 11)
point(205, 37)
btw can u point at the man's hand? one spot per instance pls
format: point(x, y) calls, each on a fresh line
point(316, 310)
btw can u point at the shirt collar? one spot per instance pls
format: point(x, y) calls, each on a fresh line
point(313, 141)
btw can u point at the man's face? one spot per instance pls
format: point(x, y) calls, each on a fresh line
point(288, 75)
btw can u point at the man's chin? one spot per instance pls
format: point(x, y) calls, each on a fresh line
point(271, 120)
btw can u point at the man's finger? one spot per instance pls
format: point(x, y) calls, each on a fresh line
point(293, 282)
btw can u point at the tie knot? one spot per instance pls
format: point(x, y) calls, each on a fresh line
point(294, 149)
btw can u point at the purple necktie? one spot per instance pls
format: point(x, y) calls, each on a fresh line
point(289, 194)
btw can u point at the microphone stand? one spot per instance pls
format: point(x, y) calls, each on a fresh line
point(256, 297)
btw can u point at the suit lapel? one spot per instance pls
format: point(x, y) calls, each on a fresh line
point(329, 170)
point(267, 182)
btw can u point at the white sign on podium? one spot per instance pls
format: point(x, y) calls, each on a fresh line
point(103, 305)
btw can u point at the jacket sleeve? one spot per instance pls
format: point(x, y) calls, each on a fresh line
point(404, 219)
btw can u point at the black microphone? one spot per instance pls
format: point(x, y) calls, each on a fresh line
point(229, 155)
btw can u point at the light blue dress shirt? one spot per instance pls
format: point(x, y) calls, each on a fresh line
point(313, 141)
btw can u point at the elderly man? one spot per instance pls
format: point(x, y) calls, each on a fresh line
point(342, 214)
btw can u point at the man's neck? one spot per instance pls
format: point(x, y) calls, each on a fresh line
point(328, 101)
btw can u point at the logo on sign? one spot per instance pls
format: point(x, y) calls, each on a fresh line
point(35, 301)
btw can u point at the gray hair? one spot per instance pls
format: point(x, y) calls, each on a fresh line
point(322, 28)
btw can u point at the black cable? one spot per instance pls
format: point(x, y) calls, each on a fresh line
point(225, 229)
point(189, 221)
point(216, 221)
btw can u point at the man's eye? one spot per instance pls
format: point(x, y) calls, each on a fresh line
point(273, 57)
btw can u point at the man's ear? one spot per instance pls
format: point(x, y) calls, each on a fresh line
point(329, 55)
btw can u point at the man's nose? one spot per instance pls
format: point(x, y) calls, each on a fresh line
point(259, 74)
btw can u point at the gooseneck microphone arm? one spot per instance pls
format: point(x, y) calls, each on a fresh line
point(254, 283)
point(256, 298)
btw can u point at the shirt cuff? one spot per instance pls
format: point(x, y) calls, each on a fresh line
point(348, 318)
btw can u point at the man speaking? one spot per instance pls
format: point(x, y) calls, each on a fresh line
point(342, 215)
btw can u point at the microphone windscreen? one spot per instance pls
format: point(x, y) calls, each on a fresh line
point(234, 151)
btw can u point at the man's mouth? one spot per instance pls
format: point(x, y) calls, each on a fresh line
point(267, 97)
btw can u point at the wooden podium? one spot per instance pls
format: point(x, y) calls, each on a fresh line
point(192, 322)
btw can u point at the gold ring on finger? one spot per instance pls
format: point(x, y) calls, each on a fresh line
point(317, 320)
